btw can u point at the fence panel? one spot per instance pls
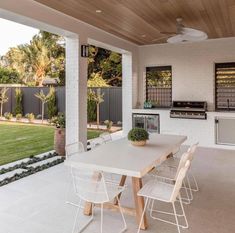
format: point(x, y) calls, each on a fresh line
point(110, 109)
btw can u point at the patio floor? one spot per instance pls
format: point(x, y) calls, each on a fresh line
point(36, 203)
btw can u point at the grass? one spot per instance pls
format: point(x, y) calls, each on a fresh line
point(18, 141)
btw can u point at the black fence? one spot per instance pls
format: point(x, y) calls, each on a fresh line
point(110, 109)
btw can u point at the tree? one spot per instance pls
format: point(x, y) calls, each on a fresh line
point(51, 105)
point(43, 56)
point(107, 63)
point(98, 98)
point(19, 98)
point(9, 76)
point(44, 99)
point(3, 98)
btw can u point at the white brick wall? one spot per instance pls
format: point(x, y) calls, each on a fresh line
point(192, 66)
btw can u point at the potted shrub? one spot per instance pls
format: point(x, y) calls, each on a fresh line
point(138, 136)
point(59, 136)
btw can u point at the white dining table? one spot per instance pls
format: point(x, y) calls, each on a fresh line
point(121, 157)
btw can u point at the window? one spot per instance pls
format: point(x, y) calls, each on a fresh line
point(159, 86)
point(225, 86)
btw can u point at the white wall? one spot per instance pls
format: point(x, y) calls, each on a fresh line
point(31, 13)
point(192, 66)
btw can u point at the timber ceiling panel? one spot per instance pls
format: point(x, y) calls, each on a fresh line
point(142, 21)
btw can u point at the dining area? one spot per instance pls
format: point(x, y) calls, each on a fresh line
point(155, 174)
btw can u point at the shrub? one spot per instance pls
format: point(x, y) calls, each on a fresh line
point(108, 124)
point(30, 117)
point(51, 104)
point(138, 134)
point(39, 117)
point(119, 123)
point(58, 121)
point(8, 115)
point(19, 99)
point(18, 116)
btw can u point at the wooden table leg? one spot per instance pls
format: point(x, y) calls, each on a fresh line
point(139, 202)
point(121, 183)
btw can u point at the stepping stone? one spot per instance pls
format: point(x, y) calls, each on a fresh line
point(34, 165)
point(12, 173)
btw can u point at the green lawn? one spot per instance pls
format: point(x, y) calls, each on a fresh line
point(18, 141)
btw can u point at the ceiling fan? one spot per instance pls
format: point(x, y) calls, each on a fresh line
point(183, 34)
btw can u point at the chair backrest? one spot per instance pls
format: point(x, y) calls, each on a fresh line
point(106, 137)
point(192, 150)
point(89, 185)
point(179, 181)
point(182, 162)
point(96, 142)
point(74, 148)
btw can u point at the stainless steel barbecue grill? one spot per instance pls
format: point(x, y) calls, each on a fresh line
point(189, 109)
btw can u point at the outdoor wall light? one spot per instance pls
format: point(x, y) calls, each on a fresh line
point(84, 50)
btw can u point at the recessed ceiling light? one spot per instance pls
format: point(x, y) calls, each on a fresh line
point(143, 35)
point(98, 11)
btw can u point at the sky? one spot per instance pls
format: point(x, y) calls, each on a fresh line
point(13, 34)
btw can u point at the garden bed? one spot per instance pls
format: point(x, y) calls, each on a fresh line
point(24, 168)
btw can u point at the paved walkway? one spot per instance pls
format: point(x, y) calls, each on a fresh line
point(36, 204)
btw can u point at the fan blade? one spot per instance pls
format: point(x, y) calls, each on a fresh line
point(169, 33)
point(161, 38)
point(194, 38)
point(175, 39)
point(192, 32)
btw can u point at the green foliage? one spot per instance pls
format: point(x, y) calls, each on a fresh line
point(30, 117)
point(138, 134)
point(8, 115)
point(107, 64)
point(19, 99)
point(3, 98)
point(59, 120)
point(96, 80)
point(51, 105)
point(91, 106)
point(44, 99)
point(44, 55)
point(108, 124)
point(18, 116)
point(9, 76)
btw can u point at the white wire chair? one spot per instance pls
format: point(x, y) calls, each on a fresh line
point(91, 187)
point(106, 137)
point(96, 142)
point(174, 162)
point(72, 149)
point(165, 192)
point(171, 173)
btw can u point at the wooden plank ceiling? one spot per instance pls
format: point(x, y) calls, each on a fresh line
point(142, 21)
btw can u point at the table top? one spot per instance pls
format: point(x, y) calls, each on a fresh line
point(121, 157)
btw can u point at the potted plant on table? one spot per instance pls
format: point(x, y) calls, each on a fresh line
point(59, 136)
point(138, 136)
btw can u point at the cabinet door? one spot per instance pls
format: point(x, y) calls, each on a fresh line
point(225, 130)
point(152, 123)
point(139, 121)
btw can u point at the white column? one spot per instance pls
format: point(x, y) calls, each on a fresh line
point(76, 92)
point(126, 92)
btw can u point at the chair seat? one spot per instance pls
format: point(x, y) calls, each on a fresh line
point(164, 172)
point(171, 162)
point(113, 190)
point(157, 190)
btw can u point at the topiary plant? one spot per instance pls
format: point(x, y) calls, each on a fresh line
point(138, 135)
